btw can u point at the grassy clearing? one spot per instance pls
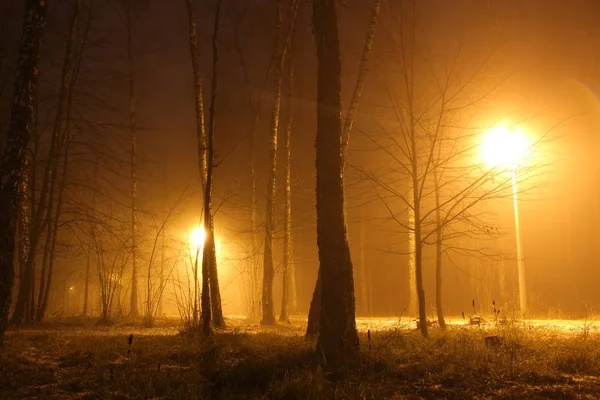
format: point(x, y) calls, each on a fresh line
point(246, 362)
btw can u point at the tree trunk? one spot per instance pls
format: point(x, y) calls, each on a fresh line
point(363, 271)
point(438, 253)
point(314, 312)
point(209, 257)
point(14, 156)
point(418, 242)
point(215, 292)
point(133, 311)
point(203, 163)
point(268, 313)
point(287, 228)
point(338, 339)
point(25, 307)
point(312, 327)
point(43, 305)
point(362, 74)
point(412, 275)
point(91, 239)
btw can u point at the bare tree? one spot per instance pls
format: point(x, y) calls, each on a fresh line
point(13, 158)
point(288, 295)
point(133, 312)
point(42, 215)
point(268, 313)
point(432, 173)
point(338, 339)
point(312, 328)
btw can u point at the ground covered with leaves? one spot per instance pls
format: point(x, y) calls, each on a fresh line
point(83, 361)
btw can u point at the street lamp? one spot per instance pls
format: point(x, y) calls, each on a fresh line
point(506, 147)
point(197, 238)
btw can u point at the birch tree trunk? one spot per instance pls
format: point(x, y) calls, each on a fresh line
point(133, 311)
point(204, 159)
point(338, 339)
point(268, 313)
point(313, 315)
point(14, 156)
point(287, 228)
point(438, 252)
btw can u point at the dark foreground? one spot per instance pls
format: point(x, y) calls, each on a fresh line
point(244, 362)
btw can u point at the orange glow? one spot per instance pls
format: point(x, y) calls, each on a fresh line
point(504, 147)
point(197, 237)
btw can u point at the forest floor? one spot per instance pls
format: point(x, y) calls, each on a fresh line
point(75, 359)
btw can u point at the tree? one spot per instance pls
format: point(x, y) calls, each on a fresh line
point(268, 313)
point(432, 177)
point(288, 281)
point(42, 213)
point(338, 339)
point(205, 155)
point(312, 328)
point(13, 158)
point(133, 311)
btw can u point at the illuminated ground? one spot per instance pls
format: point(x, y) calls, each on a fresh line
point(297, 325)
point(75, 359)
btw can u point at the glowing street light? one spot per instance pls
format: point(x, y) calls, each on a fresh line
point(507, 147)
point(198, 237)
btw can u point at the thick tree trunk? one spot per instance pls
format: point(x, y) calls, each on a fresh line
point(364, 301)
point(312, 328)
point(133, 311)
point(338, 339)
point(268, 313)
point(14, 156)
point(314, 312)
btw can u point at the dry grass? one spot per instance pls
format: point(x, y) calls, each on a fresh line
point(246, 362)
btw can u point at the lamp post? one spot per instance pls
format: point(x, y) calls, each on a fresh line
point(506, 147)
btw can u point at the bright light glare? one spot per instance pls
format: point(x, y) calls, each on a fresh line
point(197, 237)
point(506, 147)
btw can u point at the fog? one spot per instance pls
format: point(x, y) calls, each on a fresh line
point(534, 64)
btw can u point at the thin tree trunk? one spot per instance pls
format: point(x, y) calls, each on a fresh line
point(91, 239)
point(43, 306)
point(24, 307)
point(293, 302)
point(338, 339)
point(438, 253)
point(360, 81)
point(133, 312)
point(215, 293)
point(287, 228)
point(14, 156)
point(412, 262)
point(268, 313)
point(209, 258)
